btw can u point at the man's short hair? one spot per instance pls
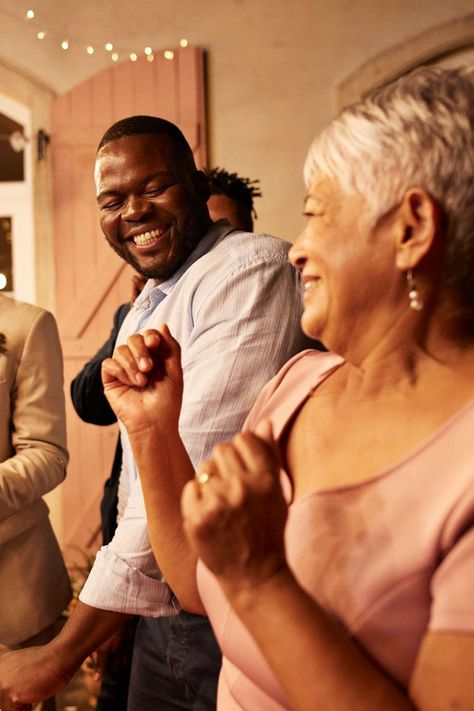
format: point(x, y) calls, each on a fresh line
point(137, 125)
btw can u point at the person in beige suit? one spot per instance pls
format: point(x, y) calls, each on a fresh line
point(34, 584)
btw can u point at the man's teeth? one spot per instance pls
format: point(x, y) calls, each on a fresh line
point(148, 237)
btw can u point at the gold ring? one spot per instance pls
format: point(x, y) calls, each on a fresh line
point(202, 478)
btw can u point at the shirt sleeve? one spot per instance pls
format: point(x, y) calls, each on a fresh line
point(452, 608)
point(245, 325)
point(38, 433)
point(243, 333)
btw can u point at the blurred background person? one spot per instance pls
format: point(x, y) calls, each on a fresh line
point(34, 583)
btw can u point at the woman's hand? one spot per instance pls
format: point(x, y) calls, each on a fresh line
point(143, 381)
point(235, 513)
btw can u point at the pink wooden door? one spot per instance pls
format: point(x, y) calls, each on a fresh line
point(91, 281)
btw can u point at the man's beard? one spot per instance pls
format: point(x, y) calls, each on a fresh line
point(165, 266)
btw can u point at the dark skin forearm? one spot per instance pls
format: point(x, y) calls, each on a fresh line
point(34, 674)
point(164, 468)
point(86, 629)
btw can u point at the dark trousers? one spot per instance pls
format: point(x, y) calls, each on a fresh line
point(175, 666)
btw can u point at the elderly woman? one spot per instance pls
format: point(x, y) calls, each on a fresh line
point(336, 534)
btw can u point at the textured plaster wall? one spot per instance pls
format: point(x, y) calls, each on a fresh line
point(273, 67)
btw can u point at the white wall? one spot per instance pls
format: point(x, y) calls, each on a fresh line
point(273, 67)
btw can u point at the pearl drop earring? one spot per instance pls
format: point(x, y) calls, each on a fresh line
point(414, 298)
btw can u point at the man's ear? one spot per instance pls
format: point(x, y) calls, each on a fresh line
point(419, 222)
point(201, 184)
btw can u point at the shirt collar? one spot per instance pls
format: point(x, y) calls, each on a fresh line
point(215, 233)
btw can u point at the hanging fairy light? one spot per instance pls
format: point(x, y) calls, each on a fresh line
point(91, 49)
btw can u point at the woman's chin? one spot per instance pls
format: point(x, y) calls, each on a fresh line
point(312, 326)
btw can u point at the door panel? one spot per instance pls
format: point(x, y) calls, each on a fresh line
point(91, 280)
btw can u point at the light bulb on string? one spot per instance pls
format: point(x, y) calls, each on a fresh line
point(148, 51)
point(65, 44)
point(109, 46)
point(114, 57)
point(90, 49)
point(30, 14)
point(168, 54)
point(183, 42)
point(150, 57)
point(41, 35)
point(133, 57)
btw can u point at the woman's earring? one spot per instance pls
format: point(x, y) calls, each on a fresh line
point(413, 294)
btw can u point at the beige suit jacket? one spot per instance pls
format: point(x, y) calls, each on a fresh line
point(34, 586)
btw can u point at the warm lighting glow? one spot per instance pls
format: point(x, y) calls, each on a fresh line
point(183, 43)
point(150, 57)
point(65, 44)
point(109, 46)
point(168, 54)
point(114, 57)
point(30, 14)
point(90, 50)
point(3, 280)
point(41, 34)
point(133, 57)
point(148, 50)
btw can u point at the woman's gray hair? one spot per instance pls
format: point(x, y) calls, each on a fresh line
point(415, 132)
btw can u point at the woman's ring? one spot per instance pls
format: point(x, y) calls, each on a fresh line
point(202, 478)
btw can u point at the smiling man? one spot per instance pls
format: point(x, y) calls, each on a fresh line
point(233, 304)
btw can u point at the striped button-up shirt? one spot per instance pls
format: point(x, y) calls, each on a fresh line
point(234, 307)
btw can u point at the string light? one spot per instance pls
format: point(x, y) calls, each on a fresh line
point(65, 44)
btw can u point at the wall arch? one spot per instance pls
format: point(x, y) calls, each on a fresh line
point(448, 43)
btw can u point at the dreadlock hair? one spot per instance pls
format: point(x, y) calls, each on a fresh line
point(242, 190)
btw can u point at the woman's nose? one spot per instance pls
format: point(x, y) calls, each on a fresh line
point(296, 254)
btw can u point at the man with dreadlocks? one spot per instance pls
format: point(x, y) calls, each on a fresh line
point(232, 197)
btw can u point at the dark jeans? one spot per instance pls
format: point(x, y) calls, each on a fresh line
point(113, 693)
point(175, 666)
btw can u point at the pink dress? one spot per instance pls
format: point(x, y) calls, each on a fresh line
point(390, 558)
